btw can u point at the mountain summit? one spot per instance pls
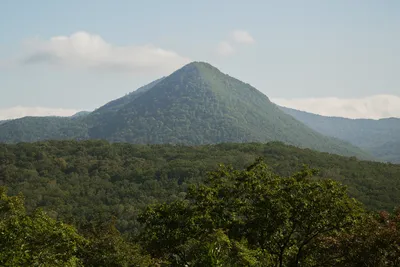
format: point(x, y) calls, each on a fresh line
point(195, 105)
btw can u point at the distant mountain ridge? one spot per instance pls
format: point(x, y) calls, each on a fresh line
point(380, 137)
point(80, 114)
point(195, 105)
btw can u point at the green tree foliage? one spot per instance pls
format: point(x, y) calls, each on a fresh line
point(107, 247)
point(373, 241)
point(195, 105)
point(36, 239)
point(249, 217)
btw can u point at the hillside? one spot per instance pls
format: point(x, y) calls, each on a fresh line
point(380, 137)
point(195, 105)
point(82, 180)
point(117, 104)
point(31, 129)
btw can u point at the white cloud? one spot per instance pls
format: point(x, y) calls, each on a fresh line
point(83, 49)
point(225, 49)
point(19, 112)
point(372, 107)
point(242, 37)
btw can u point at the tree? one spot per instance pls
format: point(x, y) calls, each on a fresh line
point(276, 219)
point(36, 239)
point(107, 247)
point(373, 241)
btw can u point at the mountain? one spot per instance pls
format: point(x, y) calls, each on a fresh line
point(196, 104)
point(380, 137)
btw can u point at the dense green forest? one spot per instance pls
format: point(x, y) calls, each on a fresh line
point(36, 239)
point(78, 181)
point(234, 217)
point(195, 105)
point(379, 137)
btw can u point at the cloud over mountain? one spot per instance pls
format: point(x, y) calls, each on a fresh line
point(242, 37)
point(372, 107)
point(226, 47)
point(83, 49)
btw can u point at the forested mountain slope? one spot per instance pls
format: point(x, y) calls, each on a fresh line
point(32, 129)
point(200, 105)
point(380, 137)
point(81, 181)
point(195, 105)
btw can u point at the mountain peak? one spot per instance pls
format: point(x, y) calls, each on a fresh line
point(200, 65)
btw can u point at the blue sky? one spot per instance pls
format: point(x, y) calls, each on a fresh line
point(329, 57)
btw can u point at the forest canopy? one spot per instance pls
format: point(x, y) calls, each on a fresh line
point(78, 181)
point(233, 217)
